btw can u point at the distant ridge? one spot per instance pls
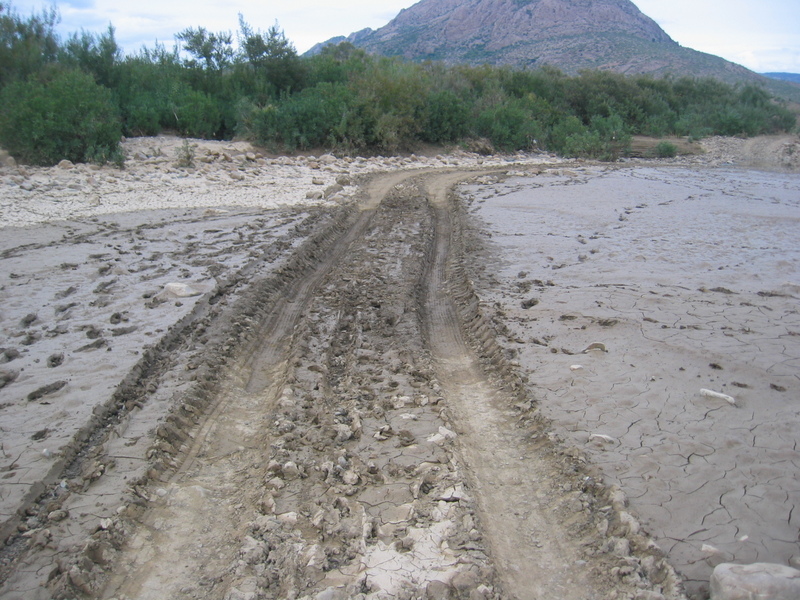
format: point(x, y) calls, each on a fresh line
point(790, 77)
point(571, 35)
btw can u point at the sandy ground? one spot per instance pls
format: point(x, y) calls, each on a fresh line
point(685, 279)
point(128, 303)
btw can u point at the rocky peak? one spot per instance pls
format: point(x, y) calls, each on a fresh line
point(504, 31)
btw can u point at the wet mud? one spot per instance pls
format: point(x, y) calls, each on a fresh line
point(335, 421)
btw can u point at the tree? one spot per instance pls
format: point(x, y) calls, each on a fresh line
point(270, 56)
point(26, 45)
point(96, 54)
point(211, 51)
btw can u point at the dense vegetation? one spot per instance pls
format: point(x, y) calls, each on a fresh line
point(73, 99)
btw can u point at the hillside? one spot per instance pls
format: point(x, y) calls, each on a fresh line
point(792, 77)
point(569, 34)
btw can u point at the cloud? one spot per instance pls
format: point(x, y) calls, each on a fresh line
point(761, 35)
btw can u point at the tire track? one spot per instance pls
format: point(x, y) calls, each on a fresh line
point(536, 554)
point(361, 436)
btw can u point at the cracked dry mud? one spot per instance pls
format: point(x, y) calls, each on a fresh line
point(673, 281)
point(335, 423)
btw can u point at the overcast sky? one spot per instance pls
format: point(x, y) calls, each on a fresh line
point(763, 35)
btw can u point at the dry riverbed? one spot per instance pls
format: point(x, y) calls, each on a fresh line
point(269, 377)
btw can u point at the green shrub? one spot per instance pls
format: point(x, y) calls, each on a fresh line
point(197, 114)
point(510, 125)
point(665, 150)
point(185, 155)
point(446, 117)
point(60, 115)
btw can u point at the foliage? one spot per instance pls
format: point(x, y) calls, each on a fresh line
point(185, 155)
point(26, 45)
point(254, 85)
point(665, 150)
point(63, 114)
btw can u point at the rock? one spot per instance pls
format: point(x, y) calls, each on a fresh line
point(181, 290)
point(631, 523)
point(715, 556)
point(6, 160)
point(290, 470)
point(758, 581)
point(237, 175)
point(717, 396)
point(314, 196)
point(437, 590)
point(332, 593)
point(465, 582)
point(332, 190)
point(65, 164)
point(58, 515)
point(351, 477)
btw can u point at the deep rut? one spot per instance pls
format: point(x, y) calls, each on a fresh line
point(369, 441)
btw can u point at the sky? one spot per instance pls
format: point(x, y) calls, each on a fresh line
point(762, 35)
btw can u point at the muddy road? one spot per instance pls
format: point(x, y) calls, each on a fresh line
point(343, 426)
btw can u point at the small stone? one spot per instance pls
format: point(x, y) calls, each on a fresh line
point(755, 582)
point(350, 477)
point(289, 518)
point(181, 290)
point(437, 590)
point(464, 582)
point(65, 164)
point(58, 515)
point(290, 470)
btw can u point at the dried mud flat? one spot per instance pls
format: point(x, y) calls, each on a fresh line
point(281, 383)
point(648, 289)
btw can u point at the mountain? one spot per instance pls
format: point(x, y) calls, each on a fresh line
point(569, 34)
point(791, 77)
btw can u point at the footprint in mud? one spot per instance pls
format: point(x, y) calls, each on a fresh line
point(67, 292)
point(8, 354)
point(55, 360)
point(63, 308)
point(118, 331)
point(118, 317)
point(98, 343)
point(29, 319)
point(7, 377)
point(93, 332)
point(46, 390)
